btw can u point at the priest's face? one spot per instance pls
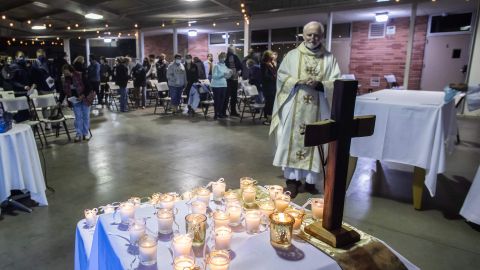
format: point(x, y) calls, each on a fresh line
point(312, 34)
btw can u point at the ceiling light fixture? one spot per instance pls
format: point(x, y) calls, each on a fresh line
point(214, 24)
point(136, 25)
point(192, 33)
point(29, 22)
point(4, 17)
point(39, 27)
point(11, 24)
point(106, 25)
point(40, 4)
point(49, 25)
point(68, 28)
point(93, 16)
point(381, 17)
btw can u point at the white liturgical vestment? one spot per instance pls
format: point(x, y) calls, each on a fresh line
point(298, 105)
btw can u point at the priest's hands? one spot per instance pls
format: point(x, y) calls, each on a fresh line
point(310, 82)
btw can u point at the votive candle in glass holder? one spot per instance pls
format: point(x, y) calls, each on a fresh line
point(220, 218)
point(155, 198)
point(281, 226)
point(199, 207)
point(230, 196)
point(137, 201)
point(166, 201)
point(282, 201)
point(91, 217)
point(184, 263)
point(147, 248)
point(218, 260)
point(248, 194)
point(165, 221)
point(136, 230)
point(317, 205)
point(274, 190)
point(252, 221)
point(108, 209)
point(234, 211)
point(245, 182)
point(297, 214)
point(223, 237)
point(203, 194)
point(267, 208)
point(187, 195)
point(127, 212)
point(197, 226)
point(182, 245)
point(218, 189)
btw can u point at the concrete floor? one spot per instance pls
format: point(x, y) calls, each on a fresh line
point(138, 154)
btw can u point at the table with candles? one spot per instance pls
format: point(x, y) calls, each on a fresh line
point(206, 228)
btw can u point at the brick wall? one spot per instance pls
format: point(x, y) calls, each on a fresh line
point(377, 57)
point(164, 44)
point(198, 46)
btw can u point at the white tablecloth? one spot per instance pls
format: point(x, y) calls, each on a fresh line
point(20, 166)
point(412, 127)
point(109, 248)
point(471, 206)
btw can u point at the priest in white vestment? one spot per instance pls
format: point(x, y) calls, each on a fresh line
point(304, 95)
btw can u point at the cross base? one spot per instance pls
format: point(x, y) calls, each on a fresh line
point(336, 238)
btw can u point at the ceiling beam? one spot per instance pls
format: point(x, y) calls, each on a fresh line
point(228, 5)
point(18, 4)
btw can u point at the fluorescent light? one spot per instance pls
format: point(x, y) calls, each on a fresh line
point(40, 4)
point(192, 21)
point(383, 1)
point(107, 40)
point(192, 33)
point(39, 27)
point(225, 36)
point(93, 16)
point(381, 17)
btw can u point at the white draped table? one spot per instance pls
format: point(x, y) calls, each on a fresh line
point(20, 166)
point(471, 206)
point(412, 127)
point(107, 247)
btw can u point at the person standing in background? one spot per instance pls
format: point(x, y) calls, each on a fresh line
point(192, 77)
point(208, 66)
point(58, 63)
point(105, 73)
point(121, 79)
point(254, 76)
point(152, 68)
point(269, 83)
point(233, 63)
point(177, 80)
point(200, 67)
point(162, 66)
point(93, 78)
point(139, 76)
point(43, 80)
point(220, 75)
point(275, 59)
point(20, 81)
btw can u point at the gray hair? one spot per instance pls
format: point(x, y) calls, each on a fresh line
point(316, 24)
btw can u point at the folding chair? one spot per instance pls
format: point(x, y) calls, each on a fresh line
point(7, 94)
point(113, 95)
point(153, 92)
point(208, 102)
point(13, 105)
point(392, 82)
point(163, 97)
point(249, 94)
point(131, 98)
point(47, 102)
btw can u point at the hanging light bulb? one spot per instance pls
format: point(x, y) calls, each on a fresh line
point(29, 22)
point(214, 24)
point(68, 27)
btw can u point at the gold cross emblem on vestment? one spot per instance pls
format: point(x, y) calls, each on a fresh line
point(307, 99)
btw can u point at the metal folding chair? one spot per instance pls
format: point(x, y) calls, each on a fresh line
point(163, 98)
point(248, 97)
point(49, 101)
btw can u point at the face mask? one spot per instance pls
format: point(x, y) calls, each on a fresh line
point(221, 60)
point(178, 61)
point(189, 61)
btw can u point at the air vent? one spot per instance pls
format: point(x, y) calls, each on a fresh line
point(376, 30)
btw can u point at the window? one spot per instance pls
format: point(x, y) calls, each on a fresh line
point(284, 34)
point(451, 23)
point(341, 30)
point(217, 38)
point(259, 36)
point(235, 38)
point(376, 30)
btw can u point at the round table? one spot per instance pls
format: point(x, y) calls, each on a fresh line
point(20, 166)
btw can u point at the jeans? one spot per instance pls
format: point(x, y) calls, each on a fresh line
point(219, 100)
point(82, 118)
point(95, 86)
point(123, 99)
point(140, 91)
point(176, 94)
point(232, 88)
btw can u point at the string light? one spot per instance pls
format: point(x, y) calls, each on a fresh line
point(106, 25)
point(84, 30)
point(11, 24)
point(98, 32)
point(163, 24)
point(76, 25)
point(29, 22)
point(79, 37)
point(214, 24)
point(4, 17)
point(13, 39)
point(68, 27)
point(136, 25)
point(49, 25)
point(238, 23)
point(58, 38)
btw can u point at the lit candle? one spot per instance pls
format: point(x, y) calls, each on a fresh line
point(274, 190)
point(199, 207)
point(187, 195)
point(281, 202)
point(235, 212)
point(218, 260)
point(267, 207)
point(182, 244)
point(137, 201)
point(166, 201)
point(184, 263)
point(220, 218)
point(230, 196)
point(203, 194)
point(252, 221)
point(317, 208)
point(91, 217)
point(248, 194)
point(127, 212)
point(147, 247)
point(298, 216)
point(155, 198)
point(223, 236)
point(136, 230)
point(165, 221)
point(218, 189)
point(246, 181)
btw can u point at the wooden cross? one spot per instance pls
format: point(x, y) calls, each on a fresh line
point(337, 132)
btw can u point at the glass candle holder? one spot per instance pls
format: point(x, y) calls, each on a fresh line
point(218, 189)
point(245, 182)
point(184, 263)
point(281, 202)
point(274, 190)
point(230, 196)
point(317, 205)
point(234, 211)
point(91, 217)
point(267, 208)
point(223, 237)
point(147, 248)
point(252, 221)
point(220, 218)
point(166, 201)
point(136, 230)
point(137, 201)
point(218, 260)
point(298, 215)
point(187, 195)
point(108, 209)
point(127, 212)
point(165, 221)
point(203, 194)
point(248, 194)
point(199, 207)
point(154, 199)
point(197, 226)
point(182, 245)
point(281, 225)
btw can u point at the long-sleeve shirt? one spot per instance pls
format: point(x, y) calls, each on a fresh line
point(162, 70)
point(121, 77)
point(219, 78)
point(176, 75)
point(93, 72)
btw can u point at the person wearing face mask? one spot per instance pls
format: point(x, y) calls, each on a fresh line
point(162, 66)
point(177, 80)
point(208, 64)
point(220, 74)
point(232, 62)
point(304, 94)
point(6, 75)
point(20, 81)
point(58, 63)
point(192, 77)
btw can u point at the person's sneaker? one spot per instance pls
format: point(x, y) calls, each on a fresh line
point(77, 139)
point(235, 114)
point(85, 138)
point(310, 188)
point(292, 187)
